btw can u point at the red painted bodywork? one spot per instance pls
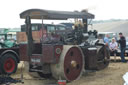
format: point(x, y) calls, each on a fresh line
point(49, 55)
point(45, 51)
point(23, 52)
point(57, 56)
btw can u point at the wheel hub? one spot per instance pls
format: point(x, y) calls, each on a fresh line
point(9, 65)
point(73, 64)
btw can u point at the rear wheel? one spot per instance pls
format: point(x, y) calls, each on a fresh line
point(103, 58)
point(8, 64)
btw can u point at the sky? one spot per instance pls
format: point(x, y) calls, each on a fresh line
point(102, 9)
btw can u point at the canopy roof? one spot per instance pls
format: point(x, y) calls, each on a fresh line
point(54, 15)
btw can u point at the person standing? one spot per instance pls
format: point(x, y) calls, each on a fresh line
point(106, 40)
point(122, 42)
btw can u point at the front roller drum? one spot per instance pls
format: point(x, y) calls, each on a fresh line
point(71, 64)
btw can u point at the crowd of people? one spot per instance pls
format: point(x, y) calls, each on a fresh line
point(113, 45)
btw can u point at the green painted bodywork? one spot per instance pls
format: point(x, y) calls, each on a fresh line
point(9, 39)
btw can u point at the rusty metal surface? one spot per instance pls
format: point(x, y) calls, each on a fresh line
point(23, 52)
point(48, 54)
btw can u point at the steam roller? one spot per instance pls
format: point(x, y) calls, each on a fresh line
point(70, 65)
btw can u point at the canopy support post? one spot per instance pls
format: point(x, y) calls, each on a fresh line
point(85, 22)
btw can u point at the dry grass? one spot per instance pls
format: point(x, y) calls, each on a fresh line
point(109, 76)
